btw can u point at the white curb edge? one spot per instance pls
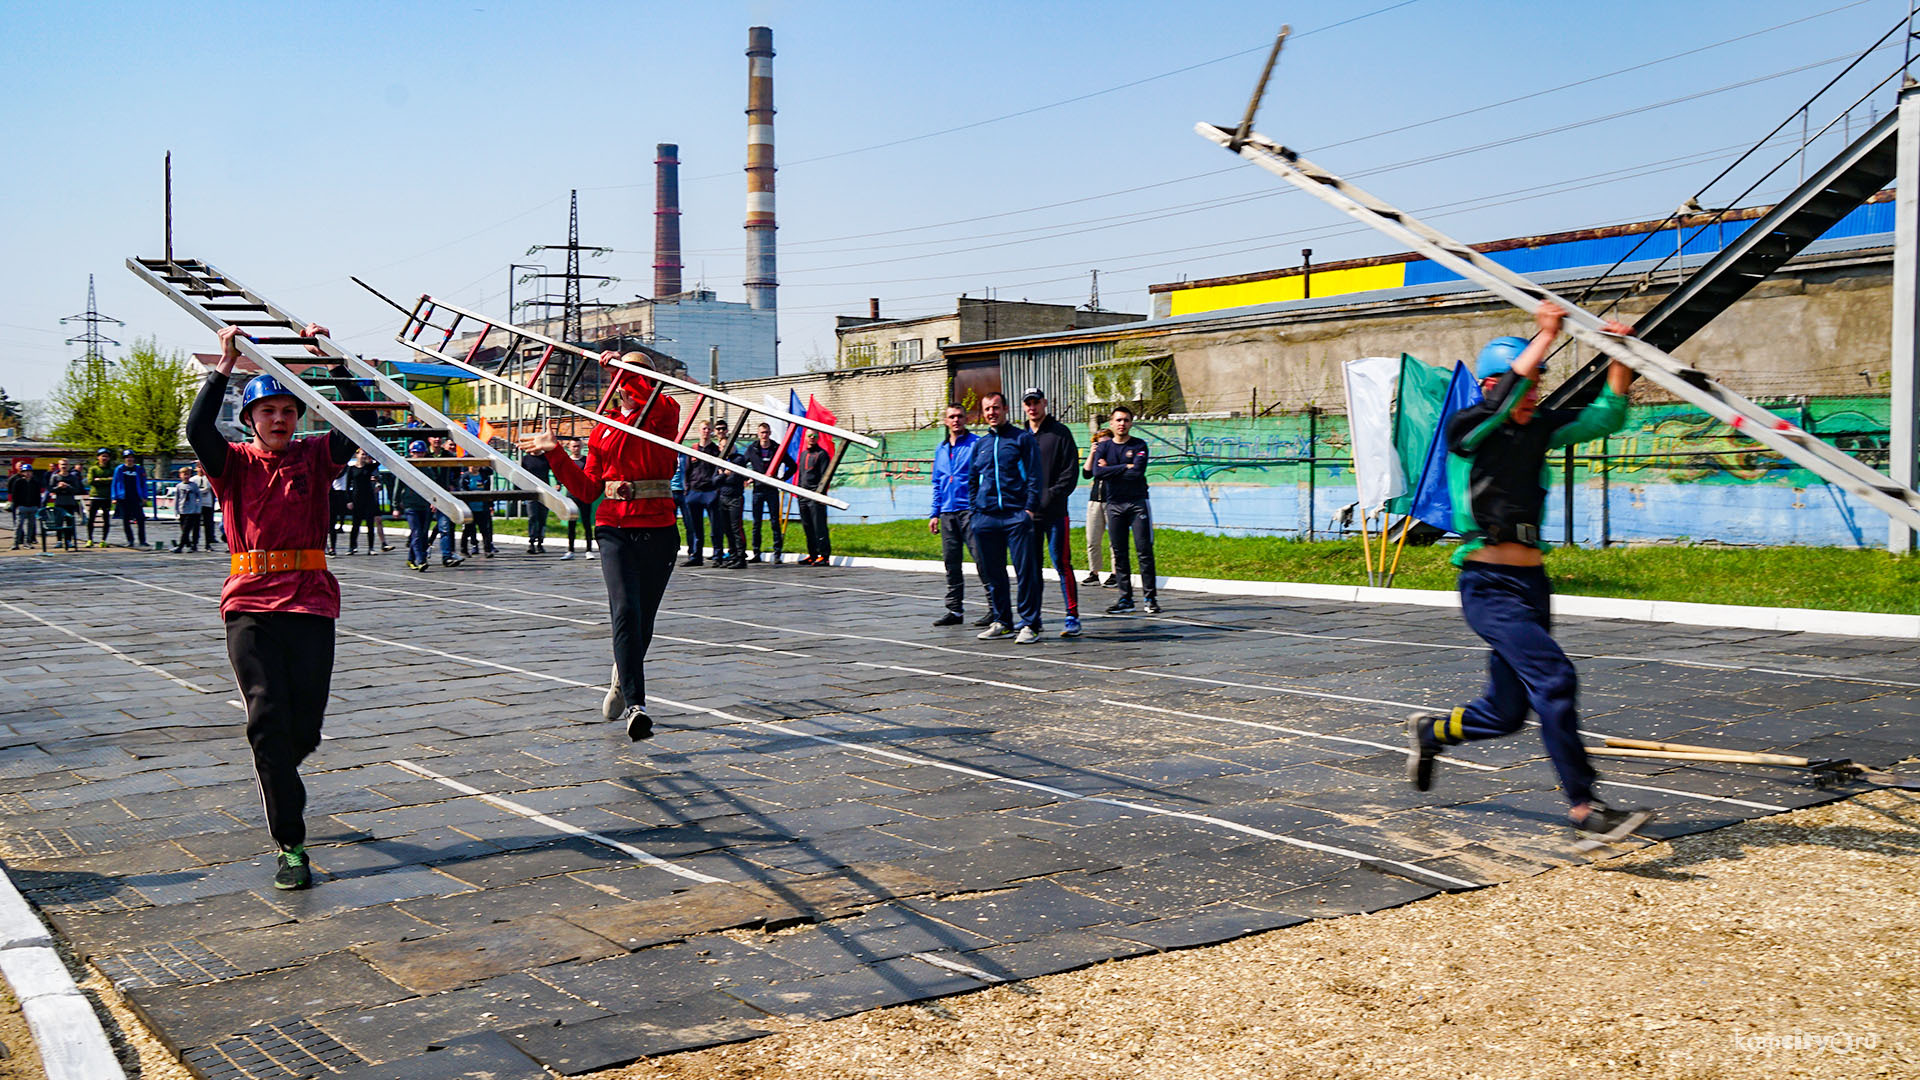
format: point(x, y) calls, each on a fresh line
point(66, 1031)
point(1789, 620)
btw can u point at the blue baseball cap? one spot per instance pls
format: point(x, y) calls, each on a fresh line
point(1497, 358)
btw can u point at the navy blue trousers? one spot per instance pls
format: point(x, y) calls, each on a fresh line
point(1510, 608)
point(994, 535)
point(703, 509)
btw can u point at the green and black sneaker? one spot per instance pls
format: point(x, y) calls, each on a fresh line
point(294, 872)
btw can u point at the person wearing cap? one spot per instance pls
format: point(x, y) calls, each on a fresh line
point(99, 477)
point(279, 602)
point(630, 477)
point(24, 491)
point(1497, 452)
point(1059, 475)
point(417, 512)
point(130, 490)
point(1003, 489)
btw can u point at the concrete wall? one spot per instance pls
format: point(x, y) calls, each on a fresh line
point(896, 398)
point(1811, 332)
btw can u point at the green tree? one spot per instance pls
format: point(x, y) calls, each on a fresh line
point(149, 395)
point(10, 414)
point(81, 403)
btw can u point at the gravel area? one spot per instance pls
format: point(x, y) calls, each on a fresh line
point(1778, 948)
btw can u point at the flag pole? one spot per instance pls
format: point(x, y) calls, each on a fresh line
point(1406, 524)
point(1366, 552)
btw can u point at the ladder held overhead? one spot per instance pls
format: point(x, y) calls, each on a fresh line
point(1694, 387)
point(368, 424)
point(410, 332)
point(487, 324)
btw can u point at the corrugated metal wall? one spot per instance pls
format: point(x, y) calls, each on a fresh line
point(1058, 370)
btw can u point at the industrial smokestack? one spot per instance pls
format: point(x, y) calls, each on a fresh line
point(762, 281)
point(666, 220)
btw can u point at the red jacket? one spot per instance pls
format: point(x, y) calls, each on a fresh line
point(615, 455)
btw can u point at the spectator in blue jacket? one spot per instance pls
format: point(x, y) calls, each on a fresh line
point(1004, 488)
point(130, 493)
point(952, 467)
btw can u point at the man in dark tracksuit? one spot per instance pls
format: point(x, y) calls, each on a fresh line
point(99, 478)
point(1059, 475)
point(729, 524)
point(1122, 463)
point(1497, 452)
point(536, 465)
point(952, 465)
point(703, 497)
point(130, 492)
point(815, 462)
point(1003, 487)
point(768, 458)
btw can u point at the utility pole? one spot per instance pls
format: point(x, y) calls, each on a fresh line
point(1903, 465)
point(572, 308)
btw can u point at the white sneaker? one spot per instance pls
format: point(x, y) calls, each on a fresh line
point(1028, 635)
point(591, 555)
point(997, 630)
point(615, 704)
point(567, 556)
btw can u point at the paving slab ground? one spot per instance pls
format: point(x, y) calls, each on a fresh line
point(846, 809)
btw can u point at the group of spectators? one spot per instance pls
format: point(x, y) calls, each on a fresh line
point(713, 499)
point(54, 501)
point(1005, 494)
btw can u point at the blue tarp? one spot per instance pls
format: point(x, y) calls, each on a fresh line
point(1432, 502)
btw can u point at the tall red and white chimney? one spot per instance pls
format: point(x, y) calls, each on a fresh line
point(762, 280)
point(666, 220)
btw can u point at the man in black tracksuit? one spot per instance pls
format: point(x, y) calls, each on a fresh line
point(1122, 462)
point(769, 459)
point(729, 526)
point(1060, 474)
point(703, 499)
point(814, 463)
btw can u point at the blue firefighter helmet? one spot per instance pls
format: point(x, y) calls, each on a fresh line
point(262, 387)
point(417, 446)
point(1497, 357)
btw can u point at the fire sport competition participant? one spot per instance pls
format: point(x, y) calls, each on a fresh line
point(952, 515)
point(638, 541)
point(768, 458)
point(279, 602)
point(1003, 488)
point(99, 479)
point(1497, 453)
point(1059, 475)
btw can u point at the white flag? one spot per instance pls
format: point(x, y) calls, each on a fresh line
point(1376, 467)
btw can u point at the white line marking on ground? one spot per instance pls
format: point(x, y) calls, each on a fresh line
point(110, 650)
point(1297, 731)
point(555, 823)
point(473, 603)
point(1696, 795)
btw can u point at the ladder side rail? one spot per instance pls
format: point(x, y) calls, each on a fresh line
point(658, 440)
point(550, 497)
point(670, 380)
point(1684, 382)
point(326, 408)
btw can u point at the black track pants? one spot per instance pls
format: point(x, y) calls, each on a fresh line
point(636, 564)
point(283, 663)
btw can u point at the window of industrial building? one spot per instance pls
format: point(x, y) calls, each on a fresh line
point(862, 355)
point(903, 352)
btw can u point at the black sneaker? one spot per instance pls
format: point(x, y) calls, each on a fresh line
point(951, 618)
point(1606, 825)
point(1153, 606)
point(639, 725)
point(1112, 582)
point(452, 560)
point(1422, 748)
point(293, 872)
point(984, 620)
point(1090, 579)
point(1122, 606)
point(696, 561)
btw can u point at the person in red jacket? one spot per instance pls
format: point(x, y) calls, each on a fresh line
point(634, 524)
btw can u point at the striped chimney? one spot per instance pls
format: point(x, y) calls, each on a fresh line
point(666, 220)
point(761, 281)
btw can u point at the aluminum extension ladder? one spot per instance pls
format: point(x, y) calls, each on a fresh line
point(218, 301)
point(420, 319)
point(1686, 383)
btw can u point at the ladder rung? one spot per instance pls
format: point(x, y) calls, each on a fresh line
point(286, 341)
point(444, 461)
point(493, 496)
point(235, 307)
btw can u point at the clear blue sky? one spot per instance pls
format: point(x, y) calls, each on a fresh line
point(426, 146)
